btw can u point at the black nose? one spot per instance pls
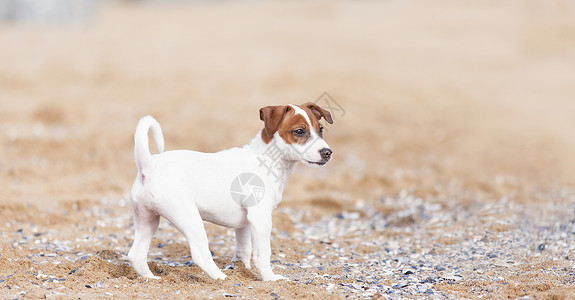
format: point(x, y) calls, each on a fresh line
point(325, 153)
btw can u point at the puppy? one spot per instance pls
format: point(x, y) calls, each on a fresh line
point(236, 188)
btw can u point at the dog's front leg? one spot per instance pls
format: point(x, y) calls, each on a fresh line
point(260, 229)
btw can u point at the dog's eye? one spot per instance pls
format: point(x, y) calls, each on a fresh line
point(299, 132)
point(321, 131)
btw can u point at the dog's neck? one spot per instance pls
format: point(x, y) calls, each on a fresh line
point(276, 165)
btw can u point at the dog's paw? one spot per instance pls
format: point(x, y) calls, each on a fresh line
point(153, 277)
point(245, 261)
point(274, 277)
point(219, 275)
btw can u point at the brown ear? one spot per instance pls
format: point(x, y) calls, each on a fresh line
point(319, 112)
point(273, 117)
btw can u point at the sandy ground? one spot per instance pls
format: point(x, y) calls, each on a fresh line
point(453, 168)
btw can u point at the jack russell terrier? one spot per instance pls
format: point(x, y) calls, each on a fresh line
point(188, 187)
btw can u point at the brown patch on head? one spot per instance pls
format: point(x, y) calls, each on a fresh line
point(312, 117)
point(272, 117)
point(315, 113)
point(292, 127)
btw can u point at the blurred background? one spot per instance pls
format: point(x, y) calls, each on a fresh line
point(453, 140)
point(473, 96)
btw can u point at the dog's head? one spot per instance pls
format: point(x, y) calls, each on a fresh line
point(296, 132)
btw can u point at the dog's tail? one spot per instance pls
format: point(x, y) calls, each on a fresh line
point(141, 148)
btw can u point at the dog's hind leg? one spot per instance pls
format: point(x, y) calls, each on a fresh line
point(243, 246)
point(145, 225)
point(189, 222)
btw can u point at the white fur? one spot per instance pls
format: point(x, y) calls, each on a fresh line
point(188, 187)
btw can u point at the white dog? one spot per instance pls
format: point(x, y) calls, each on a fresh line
point(236, 188)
